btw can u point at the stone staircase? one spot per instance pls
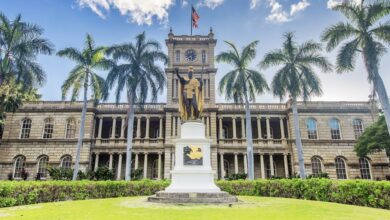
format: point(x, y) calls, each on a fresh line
point(200, 198)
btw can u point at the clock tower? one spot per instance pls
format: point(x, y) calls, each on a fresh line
point(196, 51)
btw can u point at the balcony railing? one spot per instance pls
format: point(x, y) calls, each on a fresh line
point(256, 142)
point(118, 142)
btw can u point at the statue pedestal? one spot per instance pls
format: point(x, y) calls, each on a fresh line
point(192, 177)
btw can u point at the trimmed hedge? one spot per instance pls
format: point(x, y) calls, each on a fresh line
point(355, 192)
point(13, 193)
point(374, 194)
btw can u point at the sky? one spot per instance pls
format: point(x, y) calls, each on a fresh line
point(66, 22)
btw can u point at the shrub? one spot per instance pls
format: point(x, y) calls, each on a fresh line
point(102, 173)
point(237, 176)
point(137, 174)
point(354, 192)
point(13, 193)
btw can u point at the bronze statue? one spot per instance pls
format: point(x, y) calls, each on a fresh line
point(190, 96)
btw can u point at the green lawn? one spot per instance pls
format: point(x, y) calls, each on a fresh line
point(137, 208)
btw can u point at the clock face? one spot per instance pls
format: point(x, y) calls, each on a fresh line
point(190, 55)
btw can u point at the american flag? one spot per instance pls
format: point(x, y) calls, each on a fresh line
point(195, 18)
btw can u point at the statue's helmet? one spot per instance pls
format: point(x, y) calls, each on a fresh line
point(190, 69)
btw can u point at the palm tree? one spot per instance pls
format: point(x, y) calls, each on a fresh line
point(296, 78)
point(20, 43)
point(83, 76)
point(365, 34)
point(241, 85)
point(139, 76)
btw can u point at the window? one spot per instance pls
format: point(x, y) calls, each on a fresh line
point(204, 56)
point(155, 169)
point(340, 168)
point(311, 128)
point(226, 167)
point(42, 166)
point(70, 128)
point(334, 125)
point(177, 56)
point(316, 166)
point(365, 171)
point(48, 128)
point(1, 131)
point(19, 164)
point(66, 162)
point(357, 127)
point(25, 129)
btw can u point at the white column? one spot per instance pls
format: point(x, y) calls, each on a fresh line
point(262, 167)
point(136, 161)
point(285, 165)
point(119, 171)
point(259, 128)
point(173, 126)
point(234, 128)
point(178, 126)
point(138, 127)
point(113, 128)
point(123, 126)
point(100, 127)
point(242, 127)
point(271, 164)
point(160, 132)
point(110, 162)
point(245, 164)
point(207, 126)
point(146, 165)
point(268, 128)
point(159, 166)
point(96, 161)
point(235, 163)
point(222, 166)
point(282, 128)
point(147, 127)
point(220, 128)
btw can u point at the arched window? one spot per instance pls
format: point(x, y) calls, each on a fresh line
point(25, 128)
point(66, 162)
point(70, 128)
point(358, 127)
point(335, 132)
point(204, 57)
point(177, 56)
point(48, 128)
point(365, 171)
point(341, 171)
point(311, 125)
point(316, 166)
point(155, 169)
point(226, 166)
point(19, 164)
point(42, 166)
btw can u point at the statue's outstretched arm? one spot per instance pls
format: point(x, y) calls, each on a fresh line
point(182, 80)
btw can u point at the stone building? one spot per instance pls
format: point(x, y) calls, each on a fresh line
point(43, 134)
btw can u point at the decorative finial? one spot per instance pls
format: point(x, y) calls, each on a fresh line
point(211, 30)
point(170, 30)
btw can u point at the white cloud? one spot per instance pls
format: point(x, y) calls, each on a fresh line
point(300, 6)
point(184, 3)
point(279, 15)
point(210, 3)
point(254, 4)
point(139, 11)
point(333, 3)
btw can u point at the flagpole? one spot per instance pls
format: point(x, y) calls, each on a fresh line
point(191, 17)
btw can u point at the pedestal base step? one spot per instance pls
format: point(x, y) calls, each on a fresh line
point(201, 198)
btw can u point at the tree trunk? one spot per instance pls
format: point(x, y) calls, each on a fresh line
point(298, 141)
point(249, 141)
point(130, 125)
point(379, 87)
point(81, 133)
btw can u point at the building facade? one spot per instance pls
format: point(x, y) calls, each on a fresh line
point(44, 134)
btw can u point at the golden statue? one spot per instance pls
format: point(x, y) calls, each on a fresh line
point(191, 96)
